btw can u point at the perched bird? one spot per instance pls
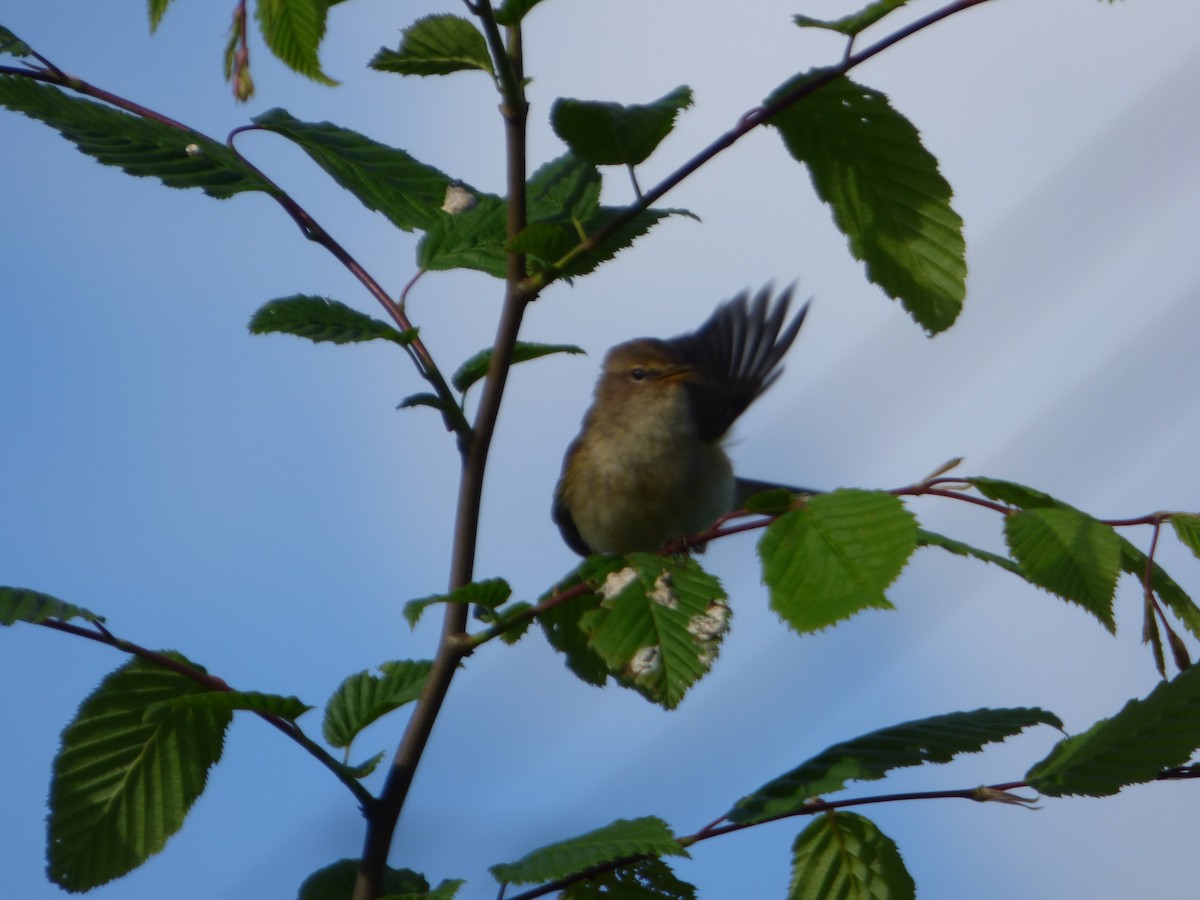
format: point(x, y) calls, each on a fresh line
point(648, 465)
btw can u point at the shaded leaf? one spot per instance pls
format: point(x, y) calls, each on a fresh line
point(624, 837)
point(1187, 529)
point(473, 239)
point(476, 367)
point(123, 784)
point(383, 178)
point(958, 548)
point(565, 189)
point(835, 556)
point(612, 134)
point(293, 30)
point(658, 626)
point(290, 708)
point(488, 592)
point(1132, 747)
point(886, 193)
point(511, 12)
point(1134, 561)
point(855, 22)
point(1068, 553)
point(179, 157)
point(646, 879)
point(937, 739)
point(561, 623)
point(336, 881)
point(323, 320)
point(12, 45)
point(844, 855)
point(1018, 495)
point(436, 45)
point(365, 697)
point(25, 605)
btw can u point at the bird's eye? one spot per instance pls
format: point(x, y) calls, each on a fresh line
point(637, 373)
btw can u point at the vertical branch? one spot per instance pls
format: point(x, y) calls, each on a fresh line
point(474, 447)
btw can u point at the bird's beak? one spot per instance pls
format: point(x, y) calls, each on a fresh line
point(677, 373)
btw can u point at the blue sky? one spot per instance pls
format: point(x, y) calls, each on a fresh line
point(258, 504)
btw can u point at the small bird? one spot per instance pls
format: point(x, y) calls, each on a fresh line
point(648, 466)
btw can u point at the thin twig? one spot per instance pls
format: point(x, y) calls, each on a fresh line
point(103, 636)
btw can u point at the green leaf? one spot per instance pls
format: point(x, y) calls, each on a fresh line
point(290, 708)
point(424, 399)
point(958, 548)
point(177, 156)
point(469, 240)
point(1187, 529)
point(436, 45)
point(12, 45)
point(476, 367)
point(566, 189)
point(937, 739)
point(383, 178)
point(336, 882)
point(363, 698)
point(646, 879)
point(446, 890)
point(25, 605)
point(1014, 494)
point(509, 615)
point(320, 319)
point(562, 622)
point(363, 769)
point(834, 556)
point(1070, 554)
point(122, 783)
point(1132, 747)
point(886, 193)
point(770, 502)
point(610, 134)
point(293, 30)
point(511, 12)
point(844, 855)
point(658, 626)
point(489, 593)
point(854, 23)
point(1134, 561)
point(624, 837)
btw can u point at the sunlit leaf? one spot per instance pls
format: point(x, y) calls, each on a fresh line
point(123, 782)
point(365, 697)
point(659, 625)
point(487, 592)
point(436, 45)
point(835, 556)
point(886, 193)
point(293, 30)
point(1068, 553)
point(844, 856)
